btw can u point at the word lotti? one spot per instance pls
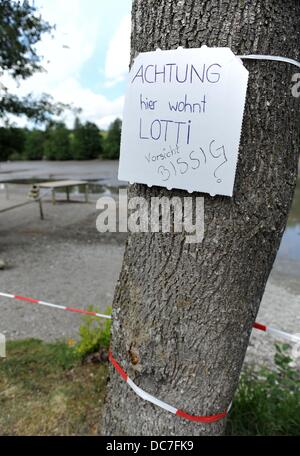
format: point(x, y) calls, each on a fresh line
point(166, 129)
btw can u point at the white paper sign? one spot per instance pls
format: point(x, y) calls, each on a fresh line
point(183, 118)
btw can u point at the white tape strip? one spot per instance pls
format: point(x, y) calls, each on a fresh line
point(283, 334)
point(273, 58)
point(6, 295)
point(49, 304)
point(148, 397)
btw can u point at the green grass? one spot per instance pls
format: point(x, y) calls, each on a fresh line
point(45, 389)
point(267, 402)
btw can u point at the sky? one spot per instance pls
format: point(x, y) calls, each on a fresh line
point(86, 61)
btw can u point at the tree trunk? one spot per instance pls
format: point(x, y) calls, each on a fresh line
point(183, 313)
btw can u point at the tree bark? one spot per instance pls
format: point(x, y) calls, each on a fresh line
point(184, 312)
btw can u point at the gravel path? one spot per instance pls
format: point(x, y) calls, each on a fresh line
point(64, 260)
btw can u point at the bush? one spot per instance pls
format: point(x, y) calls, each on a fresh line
point(94, 334)
point(267, 402)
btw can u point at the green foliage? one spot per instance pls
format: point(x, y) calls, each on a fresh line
point(54, 393)
point(34, 145)
point(94, 334)
point(267, 402)
point(45, 389)
point(11, 143)
point(34, 354)
point(57, 143)
point(112, 140)
point(21, 28)
point(86, 141)
point(39, 110)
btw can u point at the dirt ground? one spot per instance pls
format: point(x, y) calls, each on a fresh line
point(64, 260)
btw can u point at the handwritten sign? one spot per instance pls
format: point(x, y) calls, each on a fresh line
point(183, 118)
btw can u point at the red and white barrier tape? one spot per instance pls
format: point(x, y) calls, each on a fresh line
point(269, 329)
point(277, 332)
point(141, 393)
point(148, 397)
point(56, 306)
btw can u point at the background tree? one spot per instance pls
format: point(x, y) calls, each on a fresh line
point(183, 313)
point(34, 145)
point(21, 28)
point(112, 140)
point(86, 141)
point(57, 143)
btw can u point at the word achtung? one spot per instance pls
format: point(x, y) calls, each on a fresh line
point(172, 72)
